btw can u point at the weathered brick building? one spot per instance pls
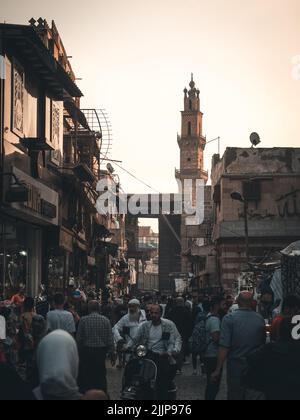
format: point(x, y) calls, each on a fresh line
point(269, 179)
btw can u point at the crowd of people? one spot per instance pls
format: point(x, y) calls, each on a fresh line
point(58, 348)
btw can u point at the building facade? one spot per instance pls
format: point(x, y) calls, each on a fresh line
point(269, 180)
point(49, 168)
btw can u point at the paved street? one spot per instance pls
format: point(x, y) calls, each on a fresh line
point(190, 388)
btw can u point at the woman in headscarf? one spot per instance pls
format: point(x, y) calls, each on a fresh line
point(58, 361)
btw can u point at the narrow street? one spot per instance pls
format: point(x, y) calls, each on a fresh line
point(190, 388)
point(149, 202)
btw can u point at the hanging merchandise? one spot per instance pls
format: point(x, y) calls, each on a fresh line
point(276, 286)
point(290, 272)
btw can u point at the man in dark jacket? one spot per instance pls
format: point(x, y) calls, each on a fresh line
point(182, 318)
point(274, 370)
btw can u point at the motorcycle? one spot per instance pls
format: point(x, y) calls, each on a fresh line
point(140, 378)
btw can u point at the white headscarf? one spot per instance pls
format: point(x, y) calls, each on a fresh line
point(58, 361)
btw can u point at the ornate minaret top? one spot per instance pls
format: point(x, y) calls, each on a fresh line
point(192, 97)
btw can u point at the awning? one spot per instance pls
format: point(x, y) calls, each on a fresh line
point(292, 250)
point(40, 60)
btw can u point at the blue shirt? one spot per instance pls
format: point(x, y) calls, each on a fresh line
point(242, 333)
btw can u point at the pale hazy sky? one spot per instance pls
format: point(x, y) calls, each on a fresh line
point(136, 56)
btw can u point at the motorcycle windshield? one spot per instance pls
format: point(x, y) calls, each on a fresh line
point(141, 369)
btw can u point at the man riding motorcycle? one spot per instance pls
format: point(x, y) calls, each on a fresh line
point(163, 342)
point(126, 329)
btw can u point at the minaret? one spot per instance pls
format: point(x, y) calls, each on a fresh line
point(192, 142)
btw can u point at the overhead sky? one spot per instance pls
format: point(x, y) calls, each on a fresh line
point(136, 56)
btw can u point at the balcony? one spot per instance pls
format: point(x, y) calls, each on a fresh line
point(190, 173)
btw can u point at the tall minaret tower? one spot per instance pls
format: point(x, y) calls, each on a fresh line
point(192, 142)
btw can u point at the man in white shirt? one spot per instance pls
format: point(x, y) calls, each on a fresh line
point(59, 319)
point(126, 329)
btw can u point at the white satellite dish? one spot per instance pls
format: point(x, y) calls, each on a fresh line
point(255, 139)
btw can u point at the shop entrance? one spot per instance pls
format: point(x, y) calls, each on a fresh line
point(20, 258)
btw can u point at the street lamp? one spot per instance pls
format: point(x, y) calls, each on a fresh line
point(237, 196)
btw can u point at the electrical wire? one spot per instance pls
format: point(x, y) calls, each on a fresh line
point(153, 189)
point(156, 191)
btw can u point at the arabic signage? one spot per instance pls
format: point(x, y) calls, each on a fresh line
point(289, 204)
point(42, 203)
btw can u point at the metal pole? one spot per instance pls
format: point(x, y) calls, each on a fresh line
point(246, 230)
point(2, 87)
point(3, 249)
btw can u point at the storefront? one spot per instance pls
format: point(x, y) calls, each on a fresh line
point(23, 229)
point(58, 249)
point(20, 256)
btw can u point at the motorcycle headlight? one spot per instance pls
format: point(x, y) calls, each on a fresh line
point(141, 351)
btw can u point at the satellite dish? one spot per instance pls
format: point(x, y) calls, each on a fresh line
point(255, 139)
point(110, 168)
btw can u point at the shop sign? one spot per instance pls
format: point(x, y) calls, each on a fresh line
point(66, 241)
point(34, 199)
point(180, 285)
point(39, 205)
point(48, 209)
point(42, 201)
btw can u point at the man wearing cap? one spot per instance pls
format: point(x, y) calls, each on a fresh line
point(125, 331)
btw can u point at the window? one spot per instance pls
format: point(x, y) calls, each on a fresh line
point(217, 194)
point(252, 190)
point(189, 129)
point(191, 105)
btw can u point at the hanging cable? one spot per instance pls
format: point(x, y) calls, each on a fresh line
point(156, 191)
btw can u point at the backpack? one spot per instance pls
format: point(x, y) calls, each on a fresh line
point(198, 340)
